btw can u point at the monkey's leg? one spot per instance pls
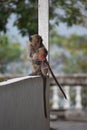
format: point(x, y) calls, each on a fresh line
point(56, 80)
point(36, 70)
point(44, 94)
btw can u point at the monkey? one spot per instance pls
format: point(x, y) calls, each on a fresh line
point(35, 42)
point(39, 63)
point(37, 55)
point(44, 67)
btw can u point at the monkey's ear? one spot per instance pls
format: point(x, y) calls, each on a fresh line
point(30, 38)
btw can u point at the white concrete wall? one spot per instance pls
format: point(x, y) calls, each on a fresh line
point(21, 104)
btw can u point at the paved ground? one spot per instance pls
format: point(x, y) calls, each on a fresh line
point(68, 125)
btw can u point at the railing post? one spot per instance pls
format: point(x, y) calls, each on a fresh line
point(67, 102)
point(78, 98)
point(55, 98)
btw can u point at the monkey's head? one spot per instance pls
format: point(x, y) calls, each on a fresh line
point(35, 41)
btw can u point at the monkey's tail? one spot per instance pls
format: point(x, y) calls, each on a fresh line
point(56, 80)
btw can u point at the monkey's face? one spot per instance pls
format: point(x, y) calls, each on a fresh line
point(35, 41)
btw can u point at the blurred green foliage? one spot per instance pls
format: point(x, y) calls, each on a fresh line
point(76, 46)
point(9, 52)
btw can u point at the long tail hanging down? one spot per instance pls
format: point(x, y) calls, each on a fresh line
point(56, 80)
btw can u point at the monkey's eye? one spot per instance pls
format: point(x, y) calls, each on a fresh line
point(30, 39)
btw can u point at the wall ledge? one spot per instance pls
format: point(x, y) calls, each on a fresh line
point(9, 81)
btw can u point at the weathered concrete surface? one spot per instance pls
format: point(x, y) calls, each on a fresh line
point(21, 104)
point(70, 115)
point(67, 125)
point(76, 115)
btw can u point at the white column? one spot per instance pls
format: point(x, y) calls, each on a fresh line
point(67, 102)
point(78, 98)
point(55, 98)
point(43, 21)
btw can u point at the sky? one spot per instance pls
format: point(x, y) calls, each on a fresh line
point(64, 30)
point(14, 34)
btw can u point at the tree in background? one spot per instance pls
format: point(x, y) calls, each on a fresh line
point(26, 15)
point(11, 56)
point(26, 11)
point(71, 53)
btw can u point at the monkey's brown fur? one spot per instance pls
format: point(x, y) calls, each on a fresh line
point(35, 42)
point(40, 56)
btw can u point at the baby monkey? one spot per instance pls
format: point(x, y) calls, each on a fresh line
point(44, 66)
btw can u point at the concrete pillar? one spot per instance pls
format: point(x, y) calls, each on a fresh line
point(43, 21)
